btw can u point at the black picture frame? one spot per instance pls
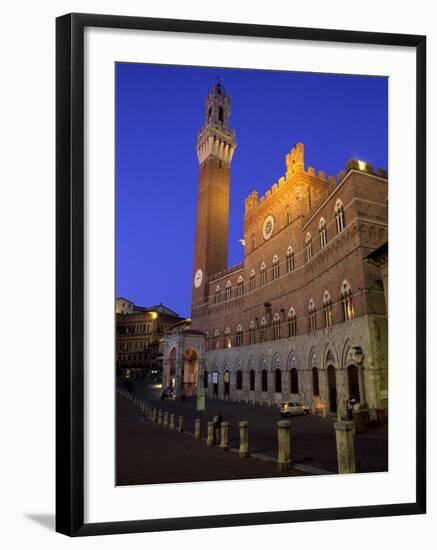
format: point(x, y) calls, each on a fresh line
point(70, 273)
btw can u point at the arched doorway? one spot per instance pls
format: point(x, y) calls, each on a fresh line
point(264, 383)
point(352, 377)
point(316, 390)
point(294, 381)
point(215, 383)
point(278, 381)
point(226, 382)
point(332, 389)
point(190, 372)
point(252, 380)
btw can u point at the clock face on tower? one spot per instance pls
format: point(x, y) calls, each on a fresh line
point(268, 225)
point(198, 278)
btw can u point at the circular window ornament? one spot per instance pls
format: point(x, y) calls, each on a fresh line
point(269, 224)
point(198, 278)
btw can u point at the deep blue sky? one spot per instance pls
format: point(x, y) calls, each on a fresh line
point(159, 110)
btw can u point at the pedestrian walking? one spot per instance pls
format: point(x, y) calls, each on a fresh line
point(350, 407)
point(216, 422)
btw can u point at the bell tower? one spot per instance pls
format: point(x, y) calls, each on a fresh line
point(215, 148)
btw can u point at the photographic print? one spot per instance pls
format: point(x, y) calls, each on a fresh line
point(251, 274)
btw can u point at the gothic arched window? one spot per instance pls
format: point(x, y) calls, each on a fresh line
point(339, 216)
point(291, 321)
point(312, 316)
point(240, 287)
point(275, 268)
point(228, 342)
point(239, 336)
point(217, 295)
point(323, 233)
point(228, 294)
point(276, 326)
point(308, 247)
point(252, 334)
point(263, 274)
point(252, 283)
point(327, 309)
point(290, 259)
point(263, 330)
point(217, 339)
point(346, 299)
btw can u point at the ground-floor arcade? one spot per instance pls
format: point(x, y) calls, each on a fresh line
point(322, 370)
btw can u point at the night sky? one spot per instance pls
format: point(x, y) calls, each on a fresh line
point(159, 110)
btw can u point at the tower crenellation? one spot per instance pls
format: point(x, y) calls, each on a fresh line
point(295, 165)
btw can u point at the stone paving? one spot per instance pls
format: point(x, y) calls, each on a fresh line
point(150, 453)
point(313, 437)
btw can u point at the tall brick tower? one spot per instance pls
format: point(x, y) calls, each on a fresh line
point(215, 148)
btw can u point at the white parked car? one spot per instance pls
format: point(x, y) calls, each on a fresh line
point(293, 408)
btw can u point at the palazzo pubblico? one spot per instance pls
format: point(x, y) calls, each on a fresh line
point(304, 316)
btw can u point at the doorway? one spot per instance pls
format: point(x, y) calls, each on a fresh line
point(226, 382)
point(332, 389)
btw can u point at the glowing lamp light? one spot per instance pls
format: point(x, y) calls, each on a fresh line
point(153, 315)
point(361, 165)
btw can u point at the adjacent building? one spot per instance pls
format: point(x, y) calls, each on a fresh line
point(140, 336)
point(304, 316)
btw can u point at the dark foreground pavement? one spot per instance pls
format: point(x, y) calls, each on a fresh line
point(151, 453)
point(313, 437)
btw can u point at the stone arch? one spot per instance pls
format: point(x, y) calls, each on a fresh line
point(263, 363)
point(276, 362)
point(330, 356)
point(251, 363)
point(293, 361)
point(190, 371)
point(226, 367)
point(346, 355)
point(251, 370)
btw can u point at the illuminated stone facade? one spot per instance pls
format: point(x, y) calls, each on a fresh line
point(140, 336)
point(303, 317)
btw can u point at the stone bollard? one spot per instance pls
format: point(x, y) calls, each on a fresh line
point(344, 435)
point(165, 421)
point(172, 424)
point(210, 435)
point(244, 439)
point(154, 414)
point(181, 424)
point(197, 431)
point(159, 416)
point(224, 436)
point(284, 445)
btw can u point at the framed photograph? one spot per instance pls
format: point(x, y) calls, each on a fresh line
point(234, 346)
